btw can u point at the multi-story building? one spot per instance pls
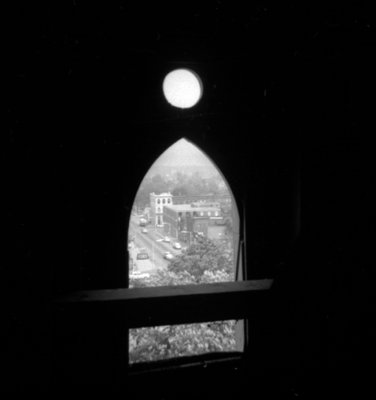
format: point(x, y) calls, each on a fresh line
point(208, 198)
point(182, 221)
point(157, 204)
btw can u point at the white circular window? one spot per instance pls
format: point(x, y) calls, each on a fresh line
point(182, 88)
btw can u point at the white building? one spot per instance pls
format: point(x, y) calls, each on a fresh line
point(157, 203)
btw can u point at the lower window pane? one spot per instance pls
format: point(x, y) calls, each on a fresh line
point(171, 341)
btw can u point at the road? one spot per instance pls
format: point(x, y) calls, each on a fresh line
point(153, 243)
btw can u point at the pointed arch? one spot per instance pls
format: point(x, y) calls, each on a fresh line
point(185, 199)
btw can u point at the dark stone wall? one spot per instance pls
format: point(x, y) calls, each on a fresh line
point(286, 112)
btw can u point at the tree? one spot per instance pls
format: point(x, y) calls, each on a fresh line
point(204, 256)
point(154, 184)
point(180, 191)
point(203, 262)
point(162, 342)
point(158, 184)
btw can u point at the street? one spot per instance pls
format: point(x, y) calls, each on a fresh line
point(152, 241)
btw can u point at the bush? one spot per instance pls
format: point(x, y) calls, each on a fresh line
point(203, 262)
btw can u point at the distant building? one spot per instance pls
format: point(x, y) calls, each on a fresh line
point(157, 204)
point(208, 198)
point(183, 221)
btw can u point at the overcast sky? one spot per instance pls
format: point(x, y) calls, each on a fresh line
point(184, 153)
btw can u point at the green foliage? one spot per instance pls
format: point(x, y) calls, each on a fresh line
point(203, 262)
point(163, 277)
point(155, 184)
point(162, 342)
point(202, 257)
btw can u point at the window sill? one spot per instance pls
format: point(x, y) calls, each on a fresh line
point(155, 306)
point(202, 361)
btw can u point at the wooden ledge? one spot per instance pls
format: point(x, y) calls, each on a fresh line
point(174, 304)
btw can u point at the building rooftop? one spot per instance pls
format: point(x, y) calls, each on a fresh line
point(161, 194)
point(188, 207)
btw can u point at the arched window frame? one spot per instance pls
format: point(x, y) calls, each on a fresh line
point(180, 304)
point(240, 284)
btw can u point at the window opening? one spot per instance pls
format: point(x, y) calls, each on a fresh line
point(172, 341)
point(193, 239)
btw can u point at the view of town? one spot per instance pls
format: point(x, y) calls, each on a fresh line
point(182, 231)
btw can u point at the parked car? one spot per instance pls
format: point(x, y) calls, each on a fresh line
point(166, 239)
point(144, 230)
point(143, 222)
point(139, 275)
point(142, 256)
point(177, 245)
point(168, 256)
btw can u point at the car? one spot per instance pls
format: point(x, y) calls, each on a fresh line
point(143, 222)
point(166, 239)
point(144, 230)
point(139, 275)
point(177, 245)
point(168, 256)
point(142, 256)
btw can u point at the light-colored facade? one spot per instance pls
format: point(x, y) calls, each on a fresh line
point(157, 204)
